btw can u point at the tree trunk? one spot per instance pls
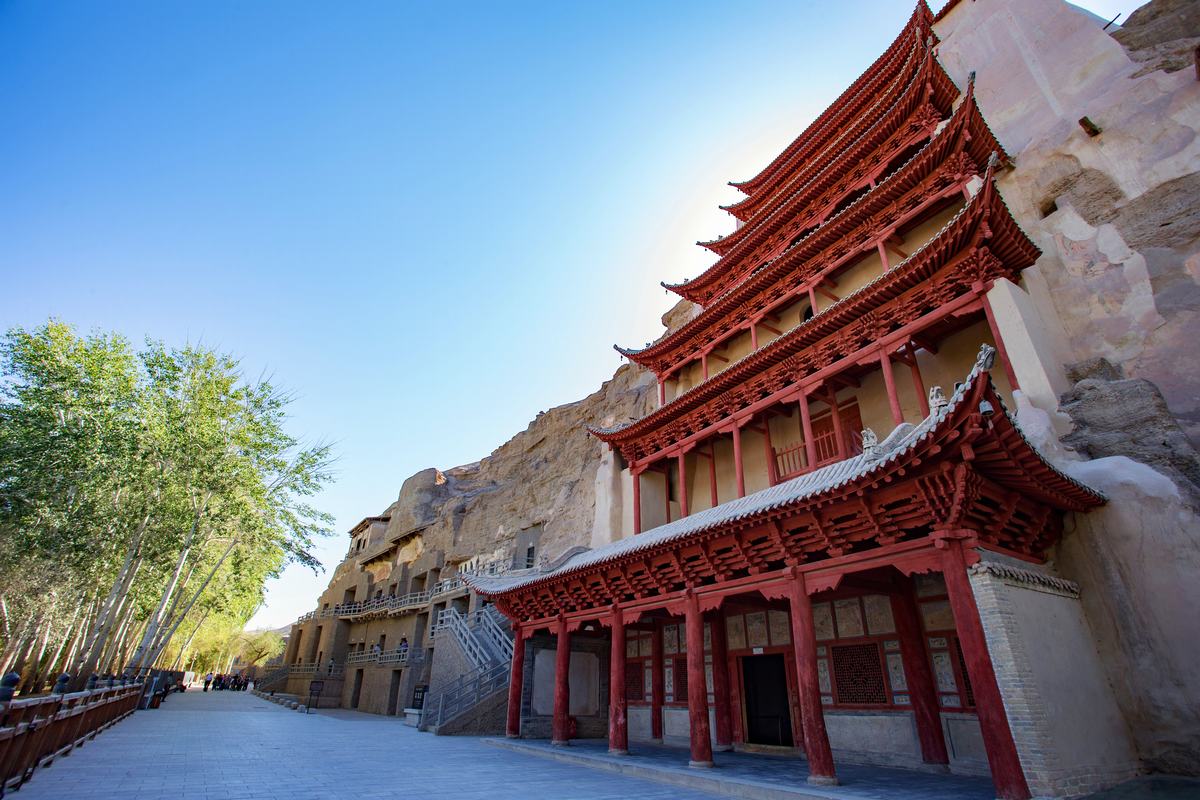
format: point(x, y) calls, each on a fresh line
point(187, 609)
point(110, 609)
point(183, 650)
point(68, 635)
point(139, 655)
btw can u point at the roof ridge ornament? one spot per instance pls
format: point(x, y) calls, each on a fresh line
point(937, 399)
point(870, 444)
point(987, 356)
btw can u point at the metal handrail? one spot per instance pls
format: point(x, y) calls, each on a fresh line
point(313, 668)
point(464, 694)
point(451, 584)
point(274, 676)
point(456, 623)
point(488, 620)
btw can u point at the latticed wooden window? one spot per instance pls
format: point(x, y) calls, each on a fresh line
point(634, 688)
point(681, 680)
point(968, 692)
point(858, 674)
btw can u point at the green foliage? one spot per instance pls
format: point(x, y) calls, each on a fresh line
point(142, 491)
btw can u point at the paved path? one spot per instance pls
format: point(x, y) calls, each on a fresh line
point(234, 746)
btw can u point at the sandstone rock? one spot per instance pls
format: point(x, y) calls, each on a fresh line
point(1162, 34)
point(1130, 418)
point(544, 475)
point(1098, 368)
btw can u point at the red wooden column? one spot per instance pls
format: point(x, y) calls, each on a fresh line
point(560, 728)
point(618, 723)
point(835, 416)
point(810, 446)
point(516, 681)
point(889, 382)
point(737, 459)
point(666, 473)
point(721, 693)
point(697, 693)
point(921, 689)
point(662, 391)
point(712, 474)
point(658, 689)
point(804, 645)
point(681, 461)
point(1007, 774)
point(918, 383)
point(772, 466)
point(637, 498)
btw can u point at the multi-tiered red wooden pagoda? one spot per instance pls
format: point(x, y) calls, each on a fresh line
point(765, 513)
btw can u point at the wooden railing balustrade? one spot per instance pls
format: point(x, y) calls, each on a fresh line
point(36, 730)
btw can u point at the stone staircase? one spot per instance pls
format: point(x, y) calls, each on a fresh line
point(275, 679)
point(485, 638)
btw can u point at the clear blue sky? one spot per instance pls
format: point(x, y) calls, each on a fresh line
point(429, 220)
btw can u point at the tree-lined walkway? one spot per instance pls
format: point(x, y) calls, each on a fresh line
point(234, 746)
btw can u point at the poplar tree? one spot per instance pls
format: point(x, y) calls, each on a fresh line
point(142, 493)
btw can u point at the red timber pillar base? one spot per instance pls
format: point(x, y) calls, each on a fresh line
point(697, 692)
point(812, 716)
point(618, 722)
point(1007, 774)
point(516, 681)
point(560, 730)
point(721, 694)
point(921, 688)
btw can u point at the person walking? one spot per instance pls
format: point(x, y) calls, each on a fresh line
point(208, 679)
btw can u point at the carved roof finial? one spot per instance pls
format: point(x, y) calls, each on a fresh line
point(937, 400)
point(870, 444)
point(987, 356)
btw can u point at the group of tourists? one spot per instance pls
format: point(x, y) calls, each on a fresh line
point(234, 683)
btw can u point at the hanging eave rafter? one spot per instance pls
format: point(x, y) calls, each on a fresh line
point(982, 242)
point(960, 150)
point(966, 465)
point(817, 187)
point(848, 105)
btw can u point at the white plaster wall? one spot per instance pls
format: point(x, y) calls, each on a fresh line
point(584, 680)
point(639, 723)
point(608, 519)
point(1034, 349)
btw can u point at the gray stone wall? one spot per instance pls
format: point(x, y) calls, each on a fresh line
point(1070, 733)
point(589, 726)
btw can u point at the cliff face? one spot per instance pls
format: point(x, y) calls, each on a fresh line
point(545, 475)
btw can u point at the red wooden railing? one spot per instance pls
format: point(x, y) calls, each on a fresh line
point(35, 730)
point(792, 461)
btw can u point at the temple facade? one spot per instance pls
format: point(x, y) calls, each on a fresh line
point(835, 536)
point(909, 480)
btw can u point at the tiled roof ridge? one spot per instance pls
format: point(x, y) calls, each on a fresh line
point(775, 269)
point(808, 486)
point(745, 241)
point(921, 13)
point(973, 205)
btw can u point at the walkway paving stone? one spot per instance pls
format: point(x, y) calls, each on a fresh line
point(761, 777)
point(234, 746)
